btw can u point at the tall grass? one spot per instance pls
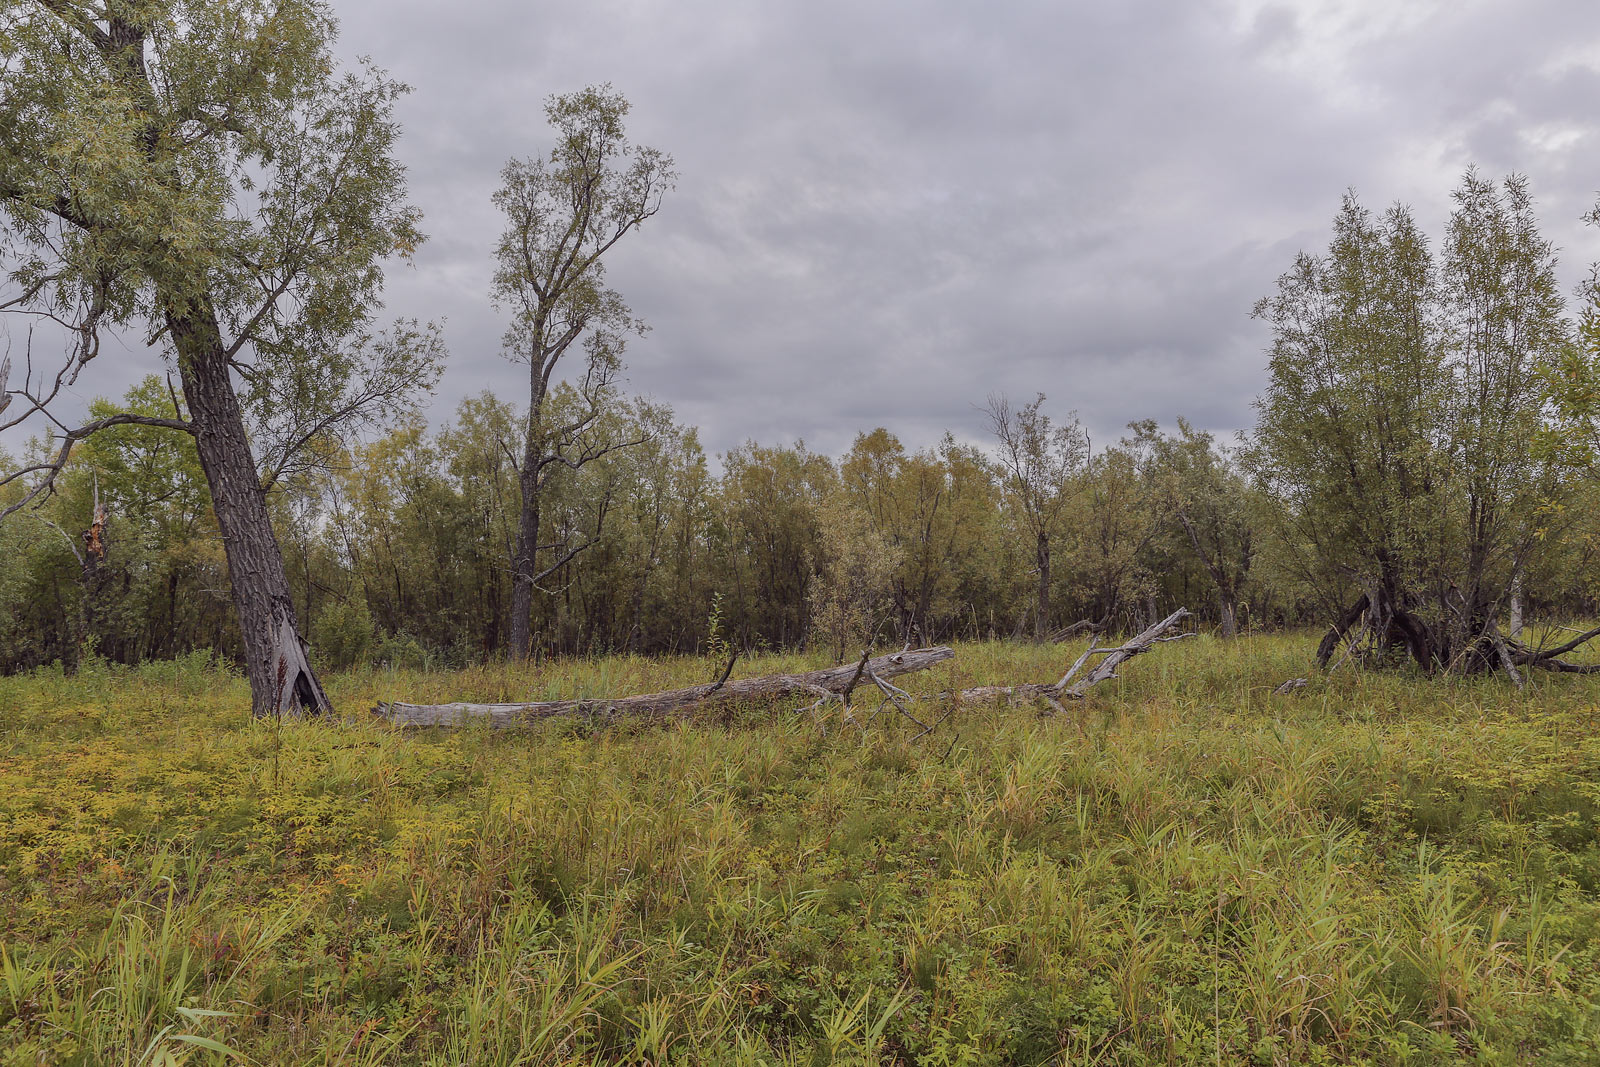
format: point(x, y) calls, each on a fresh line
point(1188, 869)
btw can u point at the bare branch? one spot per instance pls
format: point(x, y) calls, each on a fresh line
point(51, 470)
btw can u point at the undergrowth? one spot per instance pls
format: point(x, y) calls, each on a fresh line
point(1187, 869)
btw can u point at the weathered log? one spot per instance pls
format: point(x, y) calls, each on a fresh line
point(1054, 693)
point(1107, 668)
point(834, 680)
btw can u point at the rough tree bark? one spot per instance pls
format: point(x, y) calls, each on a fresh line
point(281, 679)
point(524, 576)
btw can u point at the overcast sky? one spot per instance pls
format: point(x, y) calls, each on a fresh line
point(887, 211)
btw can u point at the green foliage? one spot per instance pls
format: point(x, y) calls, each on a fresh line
point(1189, 870)
point(1401, 425)
point(343, 634)
point(851, 596)
point(1208, 509)
point(186, 156)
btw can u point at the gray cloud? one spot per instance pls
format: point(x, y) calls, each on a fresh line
point(887, 212)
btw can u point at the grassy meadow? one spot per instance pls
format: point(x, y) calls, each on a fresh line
point(1188, 869)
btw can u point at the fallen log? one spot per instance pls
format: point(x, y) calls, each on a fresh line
point(824, 683)
point(832, 684)
point(1054, 693)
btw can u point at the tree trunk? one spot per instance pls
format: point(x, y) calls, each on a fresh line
point(1041, 620)
point(1330, 641)
point(91, 577)
point(281, 679)
point(1230, 621)
point(524, 574)
point(1516, 606)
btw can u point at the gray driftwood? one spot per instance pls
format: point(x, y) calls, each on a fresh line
point(824, 683)
point(1066, 689)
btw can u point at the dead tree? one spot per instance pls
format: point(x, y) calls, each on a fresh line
point(830, 685)
point(824, 683)
point(1064, 689)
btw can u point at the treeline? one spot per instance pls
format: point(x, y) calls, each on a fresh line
point(1421, 477)
point(398, 548)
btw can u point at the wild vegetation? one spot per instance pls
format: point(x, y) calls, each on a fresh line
point(1225, 856)
point(1189, 870)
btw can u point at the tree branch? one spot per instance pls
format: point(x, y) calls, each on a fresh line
point(53, 469)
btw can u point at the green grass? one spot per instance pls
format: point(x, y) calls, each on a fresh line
point(1188, 869)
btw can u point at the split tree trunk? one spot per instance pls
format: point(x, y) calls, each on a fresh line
point(1330, 640)
point(281, 679)
point(1388, 625)
point(1481, 648)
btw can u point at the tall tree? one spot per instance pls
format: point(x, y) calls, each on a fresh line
point(565, 211)
point(1043, 463)
point(768, 529)
point(1108, 541)
point(1401, 417)
point(1201, 492)
point(935, 510)
point(200, 172)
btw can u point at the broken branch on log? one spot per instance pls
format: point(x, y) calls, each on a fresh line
point(850, 686)
point(1104, 670)
point(1107, 668)
point(722, 679)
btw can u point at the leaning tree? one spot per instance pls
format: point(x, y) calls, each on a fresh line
point(1401, 426)
point(201, 174)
